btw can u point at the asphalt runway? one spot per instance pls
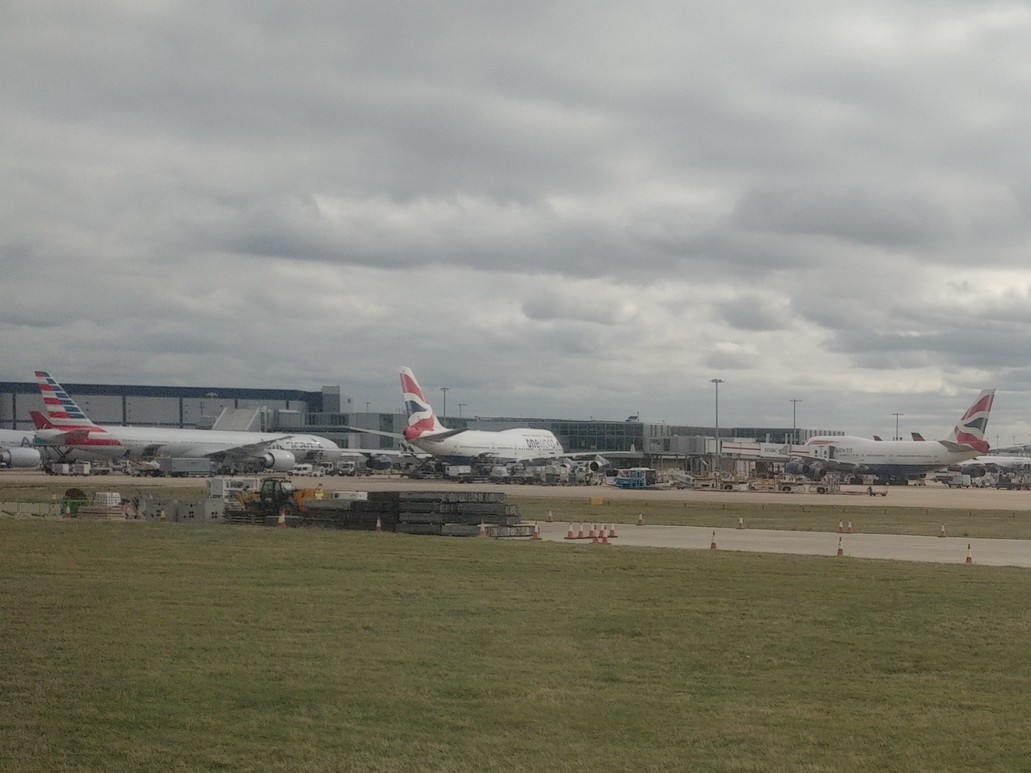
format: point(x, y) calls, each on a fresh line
point(947, 550)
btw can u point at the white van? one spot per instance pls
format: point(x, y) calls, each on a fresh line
point(301, 469)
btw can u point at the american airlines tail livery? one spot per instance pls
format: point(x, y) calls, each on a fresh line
point(894, 459)
point(70, 427)
point(425, 432)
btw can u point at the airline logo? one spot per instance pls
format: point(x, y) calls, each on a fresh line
point(421, 420)
point(971, 428)
point(65, 415)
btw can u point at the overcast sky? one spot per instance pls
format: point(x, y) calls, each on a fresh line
point(556, 209)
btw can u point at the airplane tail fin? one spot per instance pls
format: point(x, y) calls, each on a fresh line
point(421, 418)
point(62, 411)
point(971, 428)
point(39, 421)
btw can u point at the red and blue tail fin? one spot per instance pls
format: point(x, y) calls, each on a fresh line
point(971, 428)
point(62, 411)
point(422, 420)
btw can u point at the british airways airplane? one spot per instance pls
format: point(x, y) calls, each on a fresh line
point(894, 459)
point(425, 432)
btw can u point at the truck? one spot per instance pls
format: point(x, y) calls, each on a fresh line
point(183, 466)
point(636, 477)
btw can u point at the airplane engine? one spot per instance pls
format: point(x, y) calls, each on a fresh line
point(19, 457)
point(379, 462)
point(811, 470)
point(278, 460)
point(599, 463)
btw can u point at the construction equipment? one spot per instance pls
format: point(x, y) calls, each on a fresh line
point(277, 496)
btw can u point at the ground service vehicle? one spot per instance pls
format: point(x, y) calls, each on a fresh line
point(278, 496)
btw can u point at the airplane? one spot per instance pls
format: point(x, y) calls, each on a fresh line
point(70, 427)
point(17, 451)
point(894, 460)
point(456, 446)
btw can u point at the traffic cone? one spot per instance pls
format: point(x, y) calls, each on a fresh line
point(970, 556)
point(161, 515)
point(379, 524)
point(942, 532)
point(569, 534)
point(740, 522)
point(841, 550)
point(580, 534)
point(281, 523)
point(848, 529)
point(536, 531)
point(594, 534)
point(640, 519)
point(612, 531)
point(841, 527)
point(483, 530)
point(548, 519)
point(67, 511)
point(604, 537)
point(712, 545)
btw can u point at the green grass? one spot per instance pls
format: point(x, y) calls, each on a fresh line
point(866, 518)
point(164, 647)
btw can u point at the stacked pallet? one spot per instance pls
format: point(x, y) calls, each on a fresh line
point(418, 512)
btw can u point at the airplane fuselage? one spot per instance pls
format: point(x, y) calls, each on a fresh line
point(516, 445)
point(883, 457)
point(114, 442)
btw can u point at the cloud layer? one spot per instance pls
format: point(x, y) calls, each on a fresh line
point(573, 209)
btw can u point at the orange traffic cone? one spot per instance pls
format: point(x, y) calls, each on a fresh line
point(379, 524)
point(841, 527)
point(841, 550)
point(848, 529)
point(942, 532)
point(483, 530)
point(281, 523)
point(970, 556)
point(548, 519)
point(580, 534)
point(712, 545)
point(536, 531)
point(640, 519)
point(612, 531)
point(740, 522)
point(594, 534)
point(569, 534)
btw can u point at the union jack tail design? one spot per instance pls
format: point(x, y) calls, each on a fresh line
point(421, 418)
point(971, 428)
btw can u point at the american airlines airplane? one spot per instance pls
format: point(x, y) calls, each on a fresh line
point(893, 459)
point(16, 449)
point(72, 428)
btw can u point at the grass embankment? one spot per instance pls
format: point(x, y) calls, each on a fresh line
point(868, 519)
point(162, 646)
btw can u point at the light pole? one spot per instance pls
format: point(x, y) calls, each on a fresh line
point(896, 415)
point(794, 424)
point(460, 407)
point(717, 382)
point(443, 412)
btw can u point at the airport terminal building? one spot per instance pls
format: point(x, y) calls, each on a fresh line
point(329, 413)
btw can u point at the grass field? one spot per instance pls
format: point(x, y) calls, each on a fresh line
point(171, 647)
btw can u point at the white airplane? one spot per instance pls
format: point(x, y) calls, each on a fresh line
point(16, 449)
point(70, 427)
point(893, 459)
point(427, 435)
point(425, 432)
